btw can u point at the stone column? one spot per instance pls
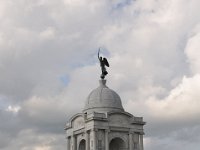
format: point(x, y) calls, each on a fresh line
point(141, 142)
point(73, 142)
point(94, 139)
point(68, 143)
point(106, 140)
point(136, 140)
point(87, 140)
point(130, 141)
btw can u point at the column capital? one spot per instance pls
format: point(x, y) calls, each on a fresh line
point(68, 137)
point(73, 134)
point(131, 132)
point(142, 133)
point(94, 129)
point(137, 132)
point(87, 131)
point(107, 130)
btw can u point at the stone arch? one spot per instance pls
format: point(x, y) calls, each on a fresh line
point(121, 135)
point(117, 144)
point(82, 145)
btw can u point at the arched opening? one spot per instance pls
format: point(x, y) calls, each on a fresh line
point(82, 145)
point(117, 144)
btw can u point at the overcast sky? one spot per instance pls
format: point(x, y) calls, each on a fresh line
point(49, 65)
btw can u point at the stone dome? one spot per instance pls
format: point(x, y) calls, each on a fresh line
point(103, 99)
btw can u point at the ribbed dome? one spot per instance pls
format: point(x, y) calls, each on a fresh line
point(103, 99)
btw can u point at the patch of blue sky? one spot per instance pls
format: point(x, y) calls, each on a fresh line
point(91, 59)
point(122, 3)
point(3, 102)
point(104, 51)
point(64, 79)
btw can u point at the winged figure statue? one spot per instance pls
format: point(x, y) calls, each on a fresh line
point(103, 63)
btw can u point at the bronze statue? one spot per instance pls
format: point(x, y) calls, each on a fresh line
point(103, 63)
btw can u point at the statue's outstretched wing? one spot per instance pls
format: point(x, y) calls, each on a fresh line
point(106, 62)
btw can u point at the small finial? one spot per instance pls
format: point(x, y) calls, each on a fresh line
point(103, 64)
point(102, 82)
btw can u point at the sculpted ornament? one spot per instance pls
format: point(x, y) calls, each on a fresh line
point(103, 64)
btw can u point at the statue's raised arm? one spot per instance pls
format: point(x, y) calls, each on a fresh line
point(103, 64)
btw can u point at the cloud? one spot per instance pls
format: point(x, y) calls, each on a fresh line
point(192, 49)
point(181, 105)
point(48, 55)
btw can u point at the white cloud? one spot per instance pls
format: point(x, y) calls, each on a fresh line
point(181, 103)
point(48, 33)
point(192, 50)
point(153, 46)
point(13, 109)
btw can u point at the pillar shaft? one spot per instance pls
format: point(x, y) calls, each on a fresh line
point(94, 140)
point(136, 141)
point(73, 142)
point(130, 141)
point(87, 141)
point(141, 142)
point(68, 143)
point(106, 140)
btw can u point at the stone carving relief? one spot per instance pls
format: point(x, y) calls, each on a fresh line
point(78, 123)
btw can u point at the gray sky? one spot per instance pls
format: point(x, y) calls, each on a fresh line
point(48, 66)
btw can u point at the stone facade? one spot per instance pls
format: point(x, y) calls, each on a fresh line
point(104, 125)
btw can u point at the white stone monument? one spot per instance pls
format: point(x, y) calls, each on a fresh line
point(104, 125)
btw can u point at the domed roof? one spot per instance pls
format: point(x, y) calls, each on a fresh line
point(103, 99)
